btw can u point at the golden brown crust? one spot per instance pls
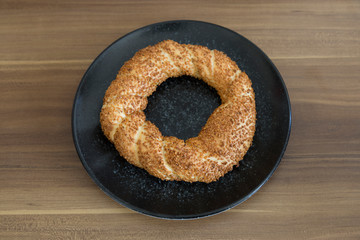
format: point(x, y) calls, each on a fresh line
point(222, 142)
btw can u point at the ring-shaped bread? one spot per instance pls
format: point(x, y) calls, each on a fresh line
point(221, 143)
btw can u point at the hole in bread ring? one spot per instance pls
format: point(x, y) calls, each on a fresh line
point(222, 142)
point(181, 106)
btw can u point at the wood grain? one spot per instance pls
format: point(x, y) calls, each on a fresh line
point(45, 48)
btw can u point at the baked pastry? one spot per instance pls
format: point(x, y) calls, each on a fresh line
point(221, 143)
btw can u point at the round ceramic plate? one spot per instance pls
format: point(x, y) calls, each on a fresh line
point(180, 107)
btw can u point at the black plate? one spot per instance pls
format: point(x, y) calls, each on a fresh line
point(135, 188)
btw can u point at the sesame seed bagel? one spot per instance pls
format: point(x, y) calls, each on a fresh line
point(222, 142)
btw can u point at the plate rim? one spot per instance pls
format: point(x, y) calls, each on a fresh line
point(168, 216)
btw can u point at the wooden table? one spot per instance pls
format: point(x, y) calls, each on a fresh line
point(45, 48)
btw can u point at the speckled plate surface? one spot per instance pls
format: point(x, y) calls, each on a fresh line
point(180, 107)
